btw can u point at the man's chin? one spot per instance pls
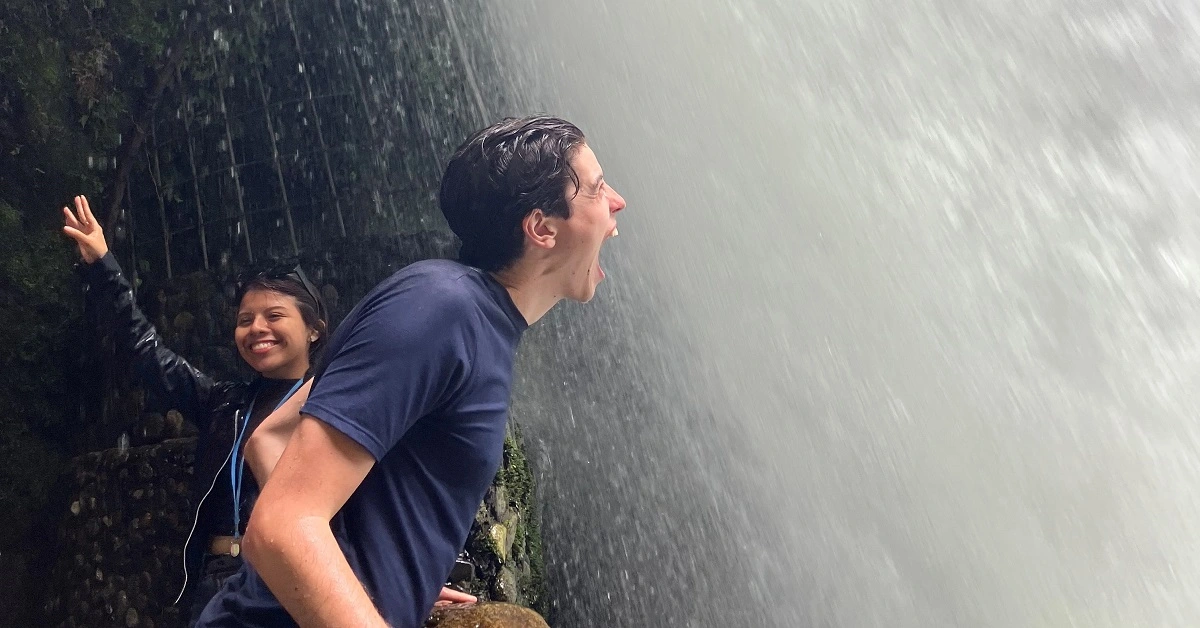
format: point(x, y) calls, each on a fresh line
point(585, 295)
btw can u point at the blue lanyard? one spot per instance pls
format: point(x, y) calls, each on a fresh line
point(237, 469)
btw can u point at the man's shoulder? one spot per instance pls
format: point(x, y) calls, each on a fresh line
point(434, 270)
point(435, 274)
point(433, 293)
point(436, 282)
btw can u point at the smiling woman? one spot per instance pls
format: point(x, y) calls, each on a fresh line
point(281, 326)
point(279, 331)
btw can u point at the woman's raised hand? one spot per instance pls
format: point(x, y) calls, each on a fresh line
point(82, 227)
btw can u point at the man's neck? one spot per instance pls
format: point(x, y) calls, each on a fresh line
point(529, 289)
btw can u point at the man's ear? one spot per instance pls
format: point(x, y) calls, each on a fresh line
point(540, 229)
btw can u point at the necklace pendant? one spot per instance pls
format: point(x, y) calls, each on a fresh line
point(235, 548)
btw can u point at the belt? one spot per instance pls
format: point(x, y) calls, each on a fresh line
point(221, 546)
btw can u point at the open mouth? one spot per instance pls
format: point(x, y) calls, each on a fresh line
point(611, 234)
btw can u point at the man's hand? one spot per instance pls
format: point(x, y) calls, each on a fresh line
point(84, 229)
point(450, 596)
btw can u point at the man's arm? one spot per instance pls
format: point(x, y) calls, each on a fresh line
point(289, 541)
point(266, 443)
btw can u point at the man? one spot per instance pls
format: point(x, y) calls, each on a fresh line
point(366, 509)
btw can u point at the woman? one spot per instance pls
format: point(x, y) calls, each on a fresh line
point(280, 327)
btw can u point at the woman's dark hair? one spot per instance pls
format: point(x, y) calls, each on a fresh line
point(501, 174)
point(293, 282)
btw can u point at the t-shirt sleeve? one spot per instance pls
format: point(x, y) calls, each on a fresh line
point(399, 361)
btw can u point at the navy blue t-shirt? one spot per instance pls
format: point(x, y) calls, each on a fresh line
point(419, 374)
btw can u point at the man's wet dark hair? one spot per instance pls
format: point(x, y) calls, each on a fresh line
point(501, 174)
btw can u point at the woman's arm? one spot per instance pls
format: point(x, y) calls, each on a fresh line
point(110, 296)
point(266, 443)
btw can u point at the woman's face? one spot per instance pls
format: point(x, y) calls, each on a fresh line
point(272, 336)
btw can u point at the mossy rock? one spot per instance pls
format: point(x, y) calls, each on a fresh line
point(505, 539)
point(485, 615)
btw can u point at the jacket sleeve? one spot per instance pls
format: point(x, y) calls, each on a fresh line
point(167, 375)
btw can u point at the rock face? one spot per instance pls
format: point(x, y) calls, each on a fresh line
point(485, 615)
point(127, 514)
point(121, 538)
point(505, 543)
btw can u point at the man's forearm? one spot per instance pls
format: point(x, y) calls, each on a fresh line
point(306, 570)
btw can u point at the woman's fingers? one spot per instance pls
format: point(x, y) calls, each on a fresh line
point(75, 234)
point(91, 220)
point(69, 218)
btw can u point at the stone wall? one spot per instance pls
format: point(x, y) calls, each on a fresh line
point(121, 537)
point(505, 544)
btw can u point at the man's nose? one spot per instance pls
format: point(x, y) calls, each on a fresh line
point(616, 201)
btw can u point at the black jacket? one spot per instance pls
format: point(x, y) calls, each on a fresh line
point(211, 405)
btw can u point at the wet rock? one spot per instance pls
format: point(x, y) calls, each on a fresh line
point(174, 424)
point(499, 537)
point(121, 605)
point(329, 293)
point(506, 588)
point(183, 323)
point(485, 615)
point(153, 426)
point(510, 523)
point(145, 471)
point(108, 563)
point(505, 541)
point(499, 500)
